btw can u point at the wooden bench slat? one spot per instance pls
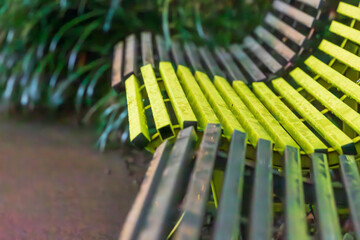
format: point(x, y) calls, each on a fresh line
point(340, 54)
point(349, 10)
point(138, 129)
point(227, 224)
point(161, 49)
point(255, 73)
point(328, 220)
point(294, 13)
point(329, 100)
point(183, 111)
point(308, 141)
point(229, 64)
point(351, 179)
point(253, 128)
point(147, 49)
point(136, 217)
point(131, 63)
point(285, 29)
point(271, 125)
point(193, 56)
point(202, 109)
point(332, 134)
point(335, 78)
point(210, 62)
point(261, 215)
point(177, 53)
point(172, 182)
point(312, 3)
point(158, 108)
point(260, 52)
point(281, 48)
point(295, 216)
point(345, 31)
point(117, 66)
point(198, 190)
point(227, 119)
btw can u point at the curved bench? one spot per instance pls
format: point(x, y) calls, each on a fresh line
point(306, 119)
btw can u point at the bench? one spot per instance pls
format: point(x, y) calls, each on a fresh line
point(273, 47)
point(305, 123)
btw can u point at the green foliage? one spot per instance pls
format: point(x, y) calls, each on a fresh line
point(58, 53)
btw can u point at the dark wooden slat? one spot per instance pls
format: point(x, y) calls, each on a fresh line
point(210, 62)
point(262, 54)
point(199, 186)
point(177, 53)
point(167, 196)
point(193, 56)
point(228, 218)
point(351, 179)
point(328, 221)
point(295, 216)
point(136, 216)
point(161, 49)
point(294, 13)
point(229, 64)
point(273, 42)
point(147, 49)
point(312, 3)
point(285, 29)
point(261, 216)
point(117, 66)
point(255, 73)
point(131, 64)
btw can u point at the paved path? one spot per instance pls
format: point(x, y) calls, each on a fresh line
point(55, 185)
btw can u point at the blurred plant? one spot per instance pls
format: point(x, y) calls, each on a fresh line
point(57, 54)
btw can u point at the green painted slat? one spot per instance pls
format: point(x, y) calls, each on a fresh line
point(329, 100)
point(335, 78)
point(295, 215)
point(351, 179)
point(226, 117)
point(281, 48)
point(172, 182)
point(349, 10)
point(345, 31)
point(158, 108)
point(253, 128)
point(197, 194)
point(139, 132)
point(293, 13)
point(328, 220)
point(117, 67)
point(135, 218)
point(308, 141)
point(261, 215)
point(201, 107)
point(183, 111)
point(332, 134)
point(259, 51)
point(227, 224)
point(271, 125)
point(340, 54)
point(285, 29)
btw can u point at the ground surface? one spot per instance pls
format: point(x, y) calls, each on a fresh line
point(55, 185)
